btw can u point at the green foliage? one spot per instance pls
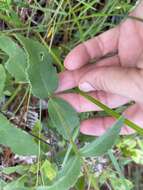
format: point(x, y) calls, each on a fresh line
point(15, 169)
point(48, 170)
point(2, 80)
point(41, 73)
point(103, 143)
point(63, 117)
point(2, 183)
point(19, 141)
point(16, 185)
point(132, 147)
point(60, 25)
point(116, 182)
point(67, 177)
point(16, 63)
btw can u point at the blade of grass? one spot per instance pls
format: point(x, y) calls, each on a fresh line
point(110, 111)
point(70, 147)
point(76, 22)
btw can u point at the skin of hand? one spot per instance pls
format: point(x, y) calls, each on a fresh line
point(114, 80)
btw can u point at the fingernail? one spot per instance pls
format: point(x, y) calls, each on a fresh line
point(86, 87)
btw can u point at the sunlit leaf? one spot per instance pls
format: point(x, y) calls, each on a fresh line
point(48, 170)
point(67, 177)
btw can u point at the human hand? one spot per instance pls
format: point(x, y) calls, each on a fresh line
point(114, 81)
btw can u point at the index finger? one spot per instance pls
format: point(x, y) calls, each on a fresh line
point(94, 48)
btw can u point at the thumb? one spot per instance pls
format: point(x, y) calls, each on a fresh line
point(127, 82)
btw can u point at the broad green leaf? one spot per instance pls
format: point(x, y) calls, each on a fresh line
point(16, 63)
point(67, 177)
point(48, 170)
point(19, 141)
point(18, 184)
point(42, 74)
point(63, 117)
point(103, 143)
point(2, 80)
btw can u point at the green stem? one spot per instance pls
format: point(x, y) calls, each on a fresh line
point(111, 112)
point(17, 109)
point(70, 147)
point(5, 106)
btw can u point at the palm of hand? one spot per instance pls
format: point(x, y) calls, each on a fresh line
point(114, 81)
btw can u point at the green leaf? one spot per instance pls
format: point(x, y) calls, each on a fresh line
point(15, 169)
point(2, 183)
point(63, 117)
point(48, 170)
point(80, 185)
point(105, 142)
point(117, 183)
point(16, 64)
point(42, 74)
point(67, 177)
point(19, 141)
point(137, 156)
point(18, 184)
point(2, 80)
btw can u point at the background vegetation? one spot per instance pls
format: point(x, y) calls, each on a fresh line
point(56, 26)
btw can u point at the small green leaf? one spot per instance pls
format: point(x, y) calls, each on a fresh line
point(103, 143)
point(67, 177)
point(16, 64)
point(63, 117)
point(15, 169)
point(48, 170)
point(80, 185)
point(42, 74)
point(19, 141)
point(2, 80)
